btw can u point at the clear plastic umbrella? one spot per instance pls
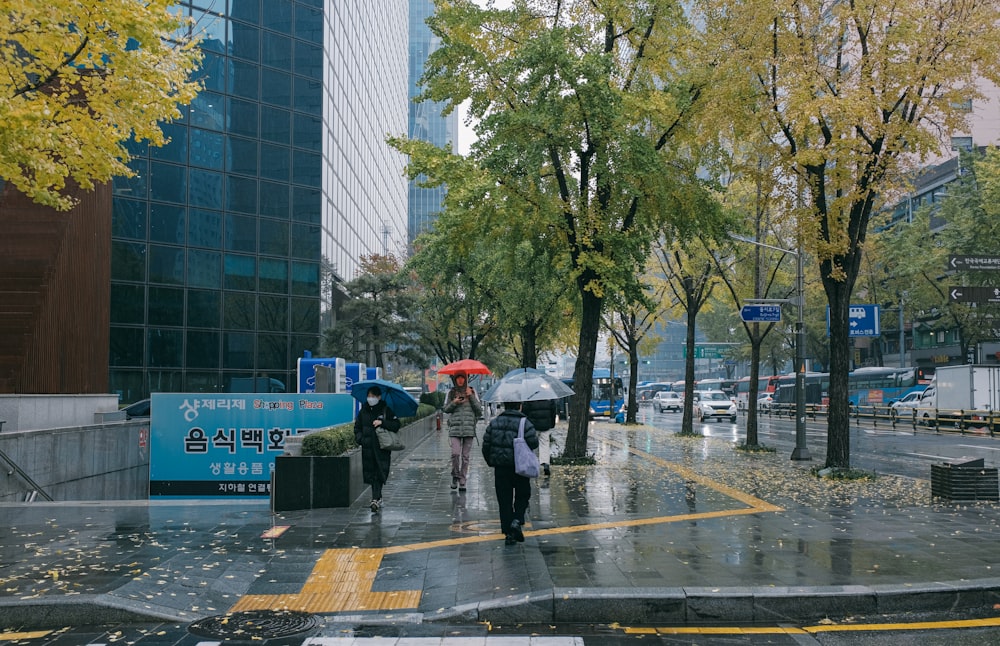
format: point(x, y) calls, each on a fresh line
point(525, 385)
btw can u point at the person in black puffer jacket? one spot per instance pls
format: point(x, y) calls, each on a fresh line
point(513, 491)
point(375, 461)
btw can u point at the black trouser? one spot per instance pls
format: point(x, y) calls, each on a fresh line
point(376, 491)
point(513, 493)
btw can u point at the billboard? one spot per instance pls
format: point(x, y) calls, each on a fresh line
point(207, 445)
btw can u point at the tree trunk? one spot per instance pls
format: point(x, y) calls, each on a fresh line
point(529, 351)
point(687, 425)
point(631, 405)
point(583, 376)
point(752, 390)
point(838, 436)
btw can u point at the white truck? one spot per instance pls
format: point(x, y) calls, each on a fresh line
point(961, 390)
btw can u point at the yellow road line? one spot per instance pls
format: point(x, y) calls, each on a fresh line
point(13, 637)
point(991, 622)
point(342, 579)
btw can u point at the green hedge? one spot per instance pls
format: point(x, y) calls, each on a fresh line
point(339, 439)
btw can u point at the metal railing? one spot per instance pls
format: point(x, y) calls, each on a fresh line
point(35, 488)
point(974, 422)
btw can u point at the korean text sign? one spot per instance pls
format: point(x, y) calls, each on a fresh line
point(207, 445)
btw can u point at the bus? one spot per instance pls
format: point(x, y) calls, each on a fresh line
point(606, 397)
point(766, 384)
point(727, 386)
point(817, 390)
point(881, 386)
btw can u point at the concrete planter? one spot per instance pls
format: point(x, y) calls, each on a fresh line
point(316, 482)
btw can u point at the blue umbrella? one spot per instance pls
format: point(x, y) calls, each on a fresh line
point(401, 402)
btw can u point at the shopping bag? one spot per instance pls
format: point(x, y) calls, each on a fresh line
point(525, 461)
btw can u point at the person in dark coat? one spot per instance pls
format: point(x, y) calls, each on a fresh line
point(513, 491)
point(542, 415)
point(374, 460)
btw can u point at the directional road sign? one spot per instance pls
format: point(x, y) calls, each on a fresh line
point(974, 294)
point(708, 350)
point(963, 263)
point(760, 313)
point(863, 320)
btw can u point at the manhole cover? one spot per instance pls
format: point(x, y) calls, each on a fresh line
point(255, 624)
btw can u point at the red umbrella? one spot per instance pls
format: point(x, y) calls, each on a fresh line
point(468, 366)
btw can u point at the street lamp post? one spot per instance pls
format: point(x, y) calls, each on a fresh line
point(801, 451)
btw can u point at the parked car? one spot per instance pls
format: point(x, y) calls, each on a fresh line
point(764, 401)
point(904, 406)
point(713, 403)
point(138, 410)
point(668, 400)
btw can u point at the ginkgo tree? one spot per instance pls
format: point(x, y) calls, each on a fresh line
point(849, 93)
point(78, 79)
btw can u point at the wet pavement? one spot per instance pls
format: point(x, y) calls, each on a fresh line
point(663, 530)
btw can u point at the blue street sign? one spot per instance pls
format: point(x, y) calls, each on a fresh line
point(760, 313)
point(862, 319)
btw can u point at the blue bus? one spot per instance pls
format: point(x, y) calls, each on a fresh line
point(606, 396)
point(881, 386)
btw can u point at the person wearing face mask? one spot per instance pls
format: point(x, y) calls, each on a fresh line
point(464, 408)
point(375, 461)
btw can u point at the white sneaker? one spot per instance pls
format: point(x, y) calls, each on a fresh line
point(376, 505)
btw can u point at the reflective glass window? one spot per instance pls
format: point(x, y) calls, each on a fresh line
point(245, 10)
point(217, 6)
point(307, 168)
point(134, 186)
point(211, 28)
point(237, 351)
point(275, 87)
point(207, 148)
point(206, 188)
point(272, 351)
point(306, 241)
point(241, 194)
point(272, 313)
point(196, 381)
point(244, 41)
point(204, 268)
point(307, 132)
point(305, 315)
point(204, 308)
point(305, 278)
point(242, 157)
point(275, 125)
point(212, 72)
point(176, 149)
point(309, 60)
point(306, 204)
point(126, 346)
point(167, 223)
point(203, 349)
point(241, 233)
point(277, 15)
point(308, 95)
point(309, 24)
point(208, 111)
point(166, 265)
point(275, 162)
point(205, 229)
point(273, 275)
point(128, 219)
point(243, 118)
point(276, 50)
point(241, 272)
point(166, 306)
point(245, 80)
point(167, 182)
point(164, 348)
point(274, 201)
point(128, 260)
point(239, 311)
point(128, 303)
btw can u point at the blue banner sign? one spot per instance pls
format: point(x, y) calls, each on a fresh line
point(760, 313)
point(863, 320)
point(223, 445)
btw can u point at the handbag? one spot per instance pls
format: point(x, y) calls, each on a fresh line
point(388, 441)
point(525, 460)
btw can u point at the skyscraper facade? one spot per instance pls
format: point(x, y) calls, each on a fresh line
point(426, 121)
point(229, 243)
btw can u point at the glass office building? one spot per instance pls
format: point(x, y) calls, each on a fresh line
point(230, 241)
point(426, 121)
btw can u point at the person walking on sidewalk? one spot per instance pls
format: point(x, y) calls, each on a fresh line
point(464, 408)
point(542, 415)
point(375, 461)
point(513, 491)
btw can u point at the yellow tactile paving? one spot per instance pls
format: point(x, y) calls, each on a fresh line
point(342, 579)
